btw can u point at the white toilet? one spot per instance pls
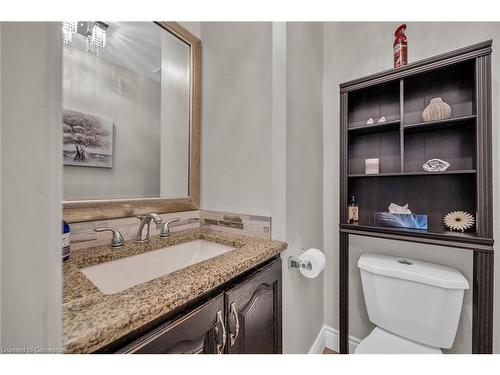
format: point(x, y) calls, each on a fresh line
point(415, 305)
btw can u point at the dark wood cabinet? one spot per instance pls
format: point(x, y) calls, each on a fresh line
point(254, 313)
point(403, 143)
point(244, 316)
point(201, 331)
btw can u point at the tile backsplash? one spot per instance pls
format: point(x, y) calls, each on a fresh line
point(83, 235)
point(250, 225)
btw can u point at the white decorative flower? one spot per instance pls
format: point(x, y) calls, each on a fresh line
point(459, 220)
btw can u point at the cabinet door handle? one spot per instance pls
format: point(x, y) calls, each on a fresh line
point(234, 336)
point(220, 347)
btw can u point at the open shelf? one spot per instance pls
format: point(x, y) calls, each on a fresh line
point(456, 145)
point(423, 173)
point(374, 102)
point(467, 240)
point(426, 194)
point(415, 231)
point(441, 124)
point(454, 84)
point(384, 146)
point(375, 128)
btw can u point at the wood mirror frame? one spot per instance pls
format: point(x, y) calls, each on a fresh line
point(88, 210)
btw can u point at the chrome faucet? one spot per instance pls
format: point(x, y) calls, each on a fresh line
point(145, 221)
point(117, 239)
point(165, 230)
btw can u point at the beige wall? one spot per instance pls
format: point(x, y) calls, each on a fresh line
point(262, 145)
point(31, 185)
point(97, 87)
point(303, 298)
point(236, 117)
point(352, 50)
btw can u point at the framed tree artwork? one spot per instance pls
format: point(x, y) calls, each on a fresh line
point(87, 140)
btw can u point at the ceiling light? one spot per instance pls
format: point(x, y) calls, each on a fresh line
point(94, 32)
point(68, 29)
point(96, 39)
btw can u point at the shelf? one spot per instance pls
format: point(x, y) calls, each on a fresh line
point(374, 128)
point(429, 125)
point(441, 124)
point(469, 241)
point(423, 173)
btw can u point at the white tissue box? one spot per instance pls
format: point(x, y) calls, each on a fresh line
point(371, 166)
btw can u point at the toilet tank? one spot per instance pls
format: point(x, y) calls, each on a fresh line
point(417, 300)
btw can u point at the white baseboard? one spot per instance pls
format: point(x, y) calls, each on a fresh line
point(329, 337)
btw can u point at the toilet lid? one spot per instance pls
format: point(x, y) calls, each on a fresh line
point(383, 342)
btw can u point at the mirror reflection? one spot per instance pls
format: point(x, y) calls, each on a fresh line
point(126, 105)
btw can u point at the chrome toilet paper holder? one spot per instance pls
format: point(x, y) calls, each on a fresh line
point(295, 262)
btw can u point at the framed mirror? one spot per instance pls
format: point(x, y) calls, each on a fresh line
point(131, 119)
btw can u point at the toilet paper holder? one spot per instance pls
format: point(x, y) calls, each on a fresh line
point(294, 262)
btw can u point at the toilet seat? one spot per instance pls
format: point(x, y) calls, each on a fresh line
point(383, 342)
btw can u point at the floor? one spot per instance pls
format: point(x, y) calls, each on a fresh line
point(329, 351)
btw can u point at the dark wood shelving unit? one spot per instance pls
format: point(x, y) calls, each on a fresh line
point(462, 78)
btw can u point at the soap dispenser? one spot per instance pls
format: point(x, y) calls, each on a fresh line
point(65, 240)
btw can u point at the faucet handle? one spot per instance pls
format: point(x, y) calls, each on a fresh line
point(155, 217)
point(117, 239)
point(165, 229)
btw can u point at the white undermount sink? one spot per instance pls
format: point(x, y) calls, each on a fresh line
point(117, 275)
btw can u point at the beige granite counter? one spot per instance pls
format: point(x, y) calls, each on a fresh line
point(92, 319)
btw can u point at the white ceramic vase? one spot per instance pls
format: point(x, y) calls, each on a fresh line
point(436, 110)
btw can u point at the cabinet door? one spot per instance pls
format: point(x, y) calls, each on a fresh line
point(201, 331)
point(253, 310)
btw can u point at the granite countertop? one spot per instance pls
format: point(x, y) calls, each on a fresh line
point(92, 319)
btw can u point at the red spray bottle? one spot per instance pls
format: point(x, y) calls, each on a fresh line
point(400, 47)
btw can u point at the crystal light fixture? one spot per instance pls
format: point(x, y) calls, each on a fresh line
point(68, 29)
point(96, 39)
point(94, 32)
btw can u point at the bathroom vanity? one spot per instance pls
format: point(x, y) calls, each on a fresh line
point(242, 318)
point(230, 303)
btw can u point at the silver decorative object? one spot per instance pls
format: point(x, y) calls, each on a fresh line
point(381, 120)
point(436, 110)
point(369, 121)
point(459, 220)
point(435, 165)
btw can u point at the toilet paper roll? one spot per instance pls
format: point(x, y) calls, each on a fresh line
point(313, 262)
